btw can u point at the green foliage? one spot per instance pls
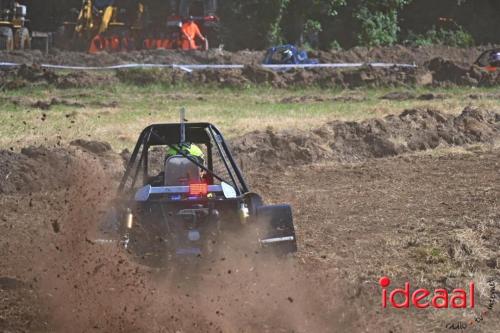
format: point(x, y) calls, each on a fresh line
point(457, 37)
point(275, 33)
point(378, 21)
point(330, 7)
point(377, 28)
point(253, 24)
point(312, 26)
point(334, 46)
point(384, 5)
point(258, 24)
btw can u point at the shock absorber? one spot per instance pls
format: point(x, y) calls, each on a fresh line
point(129, 221)
point(244, 213)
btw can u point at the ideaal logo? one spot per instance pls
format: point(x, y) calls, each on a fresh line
point(478, 317)
point(440, 298)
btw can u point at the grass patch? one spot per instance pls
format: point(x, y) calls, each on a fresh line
point(117, 113)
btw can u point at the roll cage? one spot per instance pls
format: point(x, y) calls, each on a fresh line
point(484, 59)
point(168, 135)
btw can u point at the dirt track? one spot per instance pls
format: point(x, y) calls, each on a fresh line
point(430, 218)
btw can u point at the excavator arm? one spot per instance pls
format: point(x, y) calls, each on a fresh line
point(108, 14)
point(85, 21)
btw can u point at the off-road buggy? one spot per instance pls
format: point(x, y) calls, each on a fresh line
point(489, 60)
point(173, 207)
point(287, 55)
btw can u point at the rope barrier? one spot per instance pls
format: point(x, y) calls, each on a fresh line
point(190, 68)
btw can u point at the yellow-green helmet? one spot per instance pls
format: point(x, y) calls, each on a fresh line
point(187, 148)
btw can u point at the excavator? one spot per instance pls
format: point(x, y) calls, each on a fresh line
point(125, 25)
point(14, 35)
point(103, 25)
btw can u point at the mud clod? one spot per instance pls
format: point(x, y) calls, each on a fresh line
point(96, 147)
point(47, 105)
point(8, 283)
point(55, 226)
point(398, 96)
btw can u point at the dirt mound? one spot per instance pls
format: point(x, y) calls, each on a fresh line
point(438, 72)
point(57, 57)
point(37, 169)
point(402, 54)
point(412, 130)
point(438, 65)
point(256, 75)
point(446, 72)
point(25, 76)
point(398, 53)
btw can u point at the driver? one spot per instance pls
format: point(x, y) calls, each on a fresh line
point(188, 149)
point(193, 151)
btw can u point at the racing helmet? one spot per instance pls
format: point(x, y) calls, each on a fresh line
point(188, 149)
point(287, 54)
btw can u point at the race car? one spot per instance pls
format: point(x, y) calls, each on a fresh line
point(175, 207)
point(489, 60)
point(287, 55)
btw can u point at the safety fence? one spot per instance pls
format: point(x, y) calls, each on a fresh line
point(193, 67)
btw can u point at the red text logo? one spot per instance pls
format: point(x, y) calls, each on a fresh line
point(422, 298)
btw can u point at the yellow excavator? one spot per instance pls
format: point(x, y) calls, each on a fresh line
point(14, 35)
point(111, 25)
point(123, 25)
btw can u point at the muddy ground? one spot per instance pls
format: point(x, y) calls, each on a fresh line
point(438, 73)
point(413, 197)
point(398, 54)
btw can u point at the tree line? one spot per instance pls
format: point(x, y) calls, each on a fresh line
point(330, 24)
point(334, 24)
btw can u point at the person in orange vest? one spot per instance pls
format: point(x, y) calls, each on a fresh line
point(190, 31)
